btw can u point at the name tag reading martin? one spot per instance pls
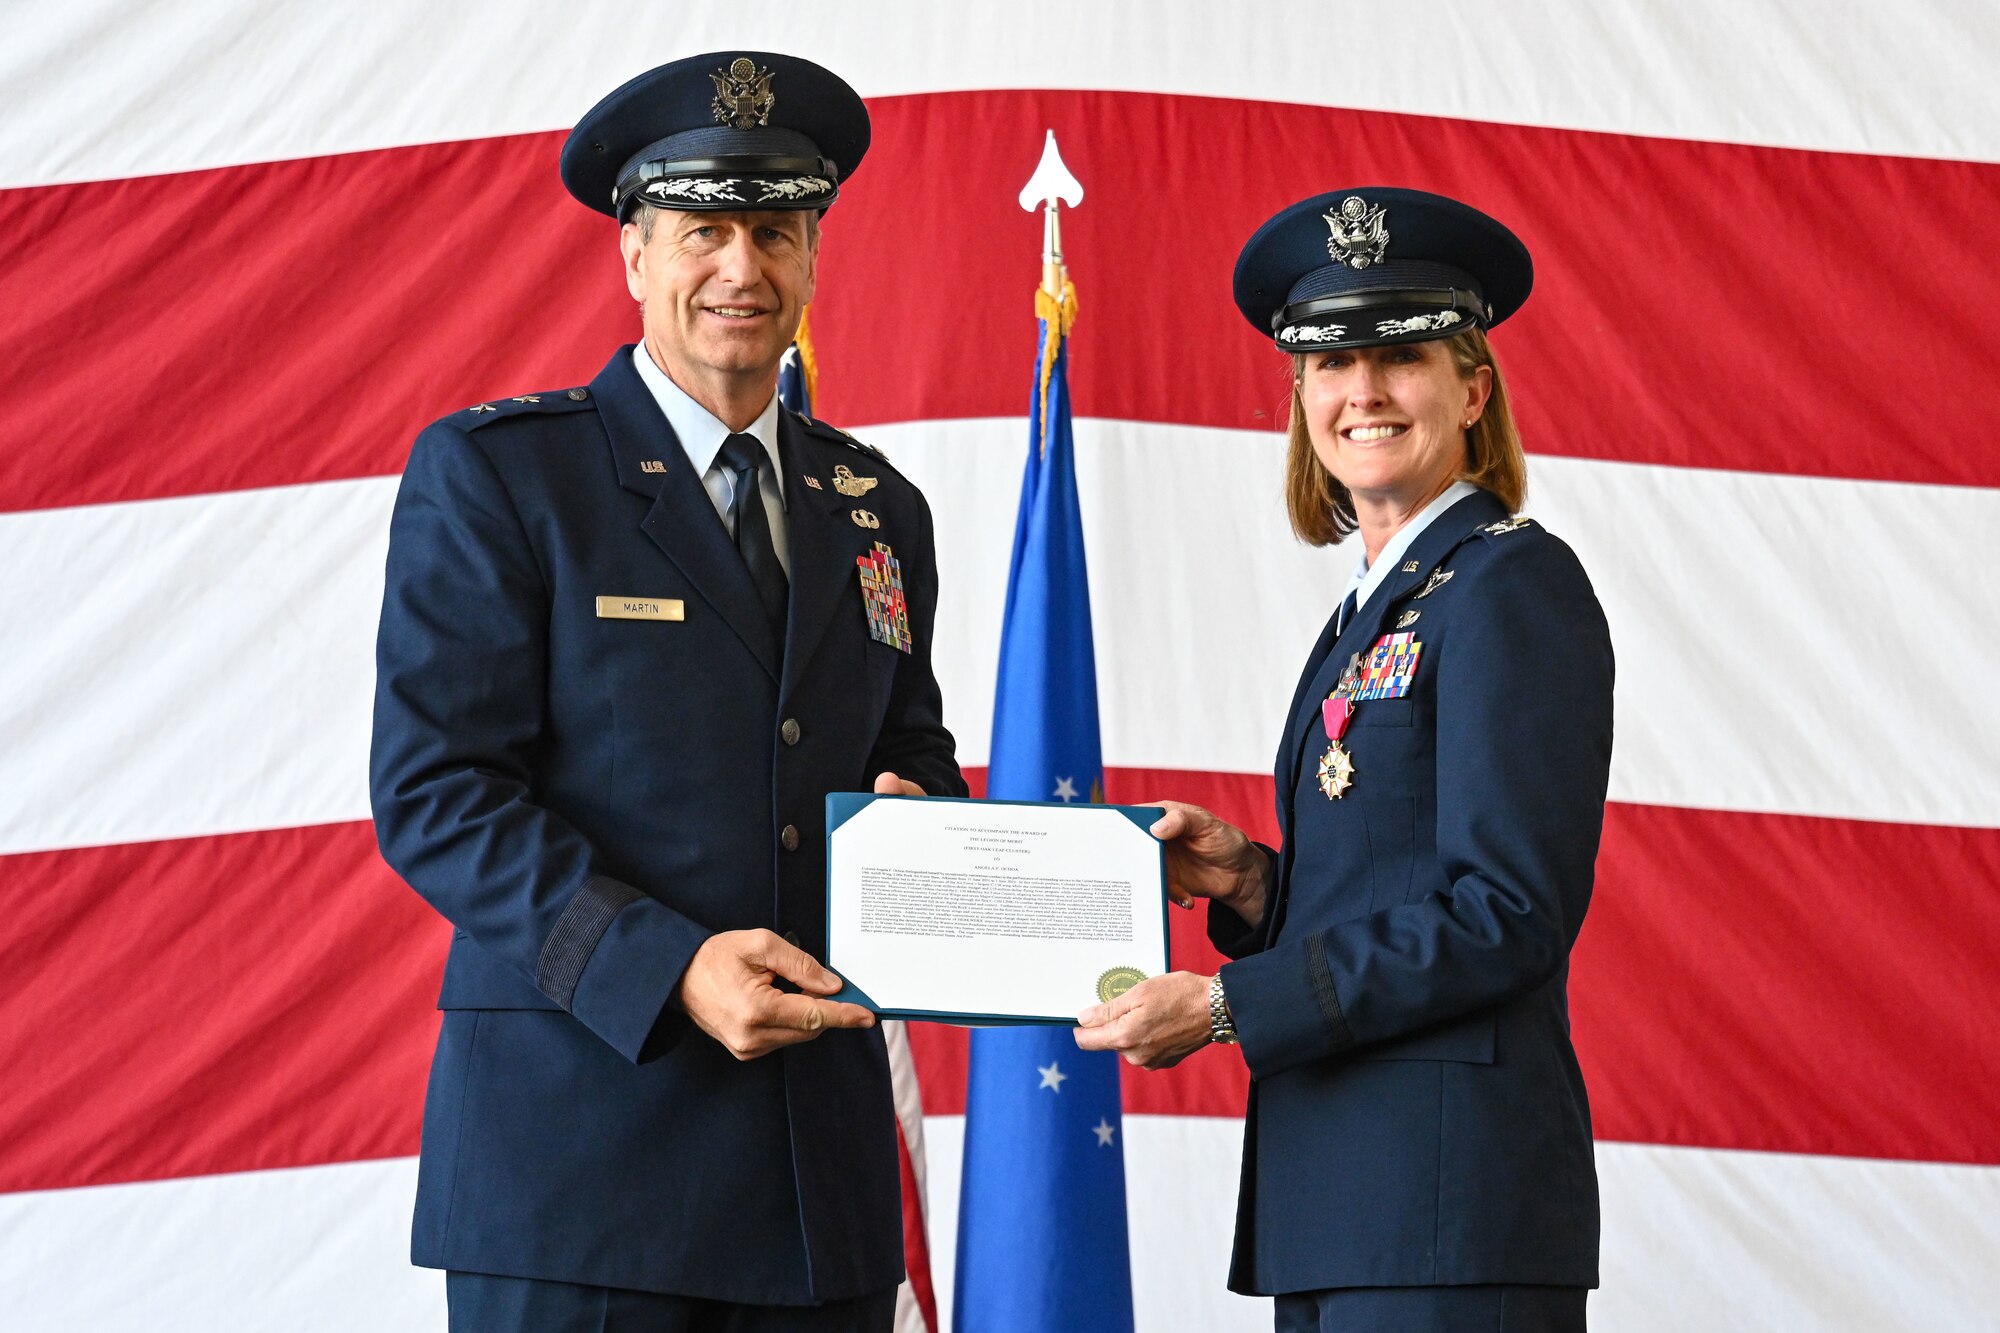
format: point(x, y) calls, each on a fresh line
point(991, 912)
point(640, 608)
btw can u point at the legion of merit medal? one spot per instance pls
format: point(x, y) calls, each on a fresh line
point(1336, 766)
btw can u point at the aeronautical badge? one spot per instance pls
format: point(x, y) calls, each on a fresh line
point(847, 483)
point(1506, 525)
point(743, 97)
point(882, 595)
point(863, 519)
point(1360, 234)
point(1388, 669)
point(1438, 578)
point(1116, 981)
point(1408, 618)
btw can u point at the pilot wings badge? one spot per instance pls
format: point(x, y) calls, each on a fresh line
point(1360, 234)
point(847, 483)
point(743, 98)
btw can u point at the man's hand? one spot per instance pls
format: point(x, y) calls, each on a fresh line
point(888, 784)
point(1155, 1025)
point(1209, 858)
point(728, 991)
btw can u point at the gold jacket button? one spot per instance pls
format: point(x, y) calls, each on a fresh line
point(790, 731)
point(789, 838)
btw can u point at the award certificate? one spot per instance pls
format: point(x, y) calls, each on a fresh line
point(991, 912)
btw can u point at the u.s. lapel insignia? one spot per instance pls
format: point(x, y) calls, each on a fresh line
point(652, 465)
point(882, 595)
point(1438, 578)
point(848, 484)
point(813, 482)
point(1409, 566)
point(863, 519)
point(1408, 618)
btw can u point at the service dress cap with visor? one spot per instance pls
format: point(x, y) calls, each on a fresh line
point(728, 131)
point(1371, 266)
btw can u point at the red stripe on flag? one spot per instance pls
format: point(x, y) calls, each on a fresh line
point(916, 1245)
point(216, 1004)
point(265, 1000)
point(298, 321)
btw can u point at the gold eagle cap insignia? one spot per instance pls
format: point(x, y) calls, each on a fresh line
point(847, 483)
point(743, 97)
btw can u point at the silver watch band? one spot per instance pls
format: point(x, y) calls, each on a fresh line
point(1221, 1027)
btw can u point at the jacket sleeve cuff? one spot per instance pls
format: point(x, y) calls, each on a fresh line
point(1285, 1007)
point(626, 965)
point(1232, 936)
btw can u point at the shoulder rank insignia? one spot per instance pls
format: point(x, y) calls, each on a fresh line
point(1438, 578)
point(882, 595)
point(847, 483)
point(1506, 525)
point(483, 407)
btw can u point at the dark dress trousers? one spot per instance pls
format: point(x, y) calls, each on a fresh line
point(1417, 1117)
point(587, 797)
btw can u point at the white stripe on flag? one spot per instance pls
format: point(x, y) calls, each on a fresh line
point(1693, 1238)
point(254, 82)
point(1795, 645)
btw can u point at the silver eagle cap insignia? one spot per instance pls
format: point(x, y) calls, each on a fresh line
point(743, 96)
point(1359, 234)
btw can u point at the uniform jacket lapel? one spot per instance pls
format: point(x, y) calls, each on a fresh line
point(825, 543)
point(682, 522)
point(1373, 621)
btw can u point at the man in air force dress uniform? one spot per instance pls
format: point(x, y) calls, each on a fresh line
point(633, 632)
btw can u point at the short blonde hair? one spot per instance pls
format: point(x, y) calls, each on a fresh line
point(1322, 511)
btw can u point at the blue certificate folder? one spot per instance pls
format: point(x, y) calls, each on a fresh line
point(843, 806)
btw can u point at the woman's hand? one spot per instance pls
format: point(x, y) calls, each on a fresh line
point(1155, 1025)
point(1210, 858)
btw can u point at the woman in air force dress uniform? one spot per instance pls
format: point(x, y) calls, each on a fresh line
point(1418, 1150)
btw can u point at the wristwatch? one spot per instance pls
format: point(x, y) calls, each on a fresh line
point(1221, 1027)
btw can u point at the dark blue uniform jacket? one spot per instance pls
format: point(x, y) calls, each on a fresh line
point(587, 799)
point(1417, 1116)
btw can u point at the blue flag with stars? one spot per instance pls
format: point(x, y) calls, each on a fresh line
point(1041, 1214)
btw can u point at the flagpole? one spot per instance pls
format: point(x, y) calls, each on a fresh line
point(1043, 1242)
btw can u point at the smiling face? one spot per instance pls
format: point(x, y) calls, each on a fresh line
point(1389, 422)
point(721, 293)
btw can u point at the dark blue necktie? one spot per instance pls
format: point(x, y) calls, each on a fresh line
point(741, 454)
point(1347, 610)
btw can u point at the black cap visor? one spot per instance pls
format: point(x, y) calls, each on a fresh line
point(1377, 318)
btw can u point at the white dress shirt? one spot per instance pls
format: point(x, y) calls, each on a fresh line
point(701, 437)
point(1367, 578)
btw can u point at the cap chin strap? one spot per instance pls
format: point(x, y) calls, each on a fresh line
point(1468, 303)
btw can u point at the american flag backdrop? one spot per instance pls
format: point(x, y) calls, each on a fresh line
point(248, 248)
